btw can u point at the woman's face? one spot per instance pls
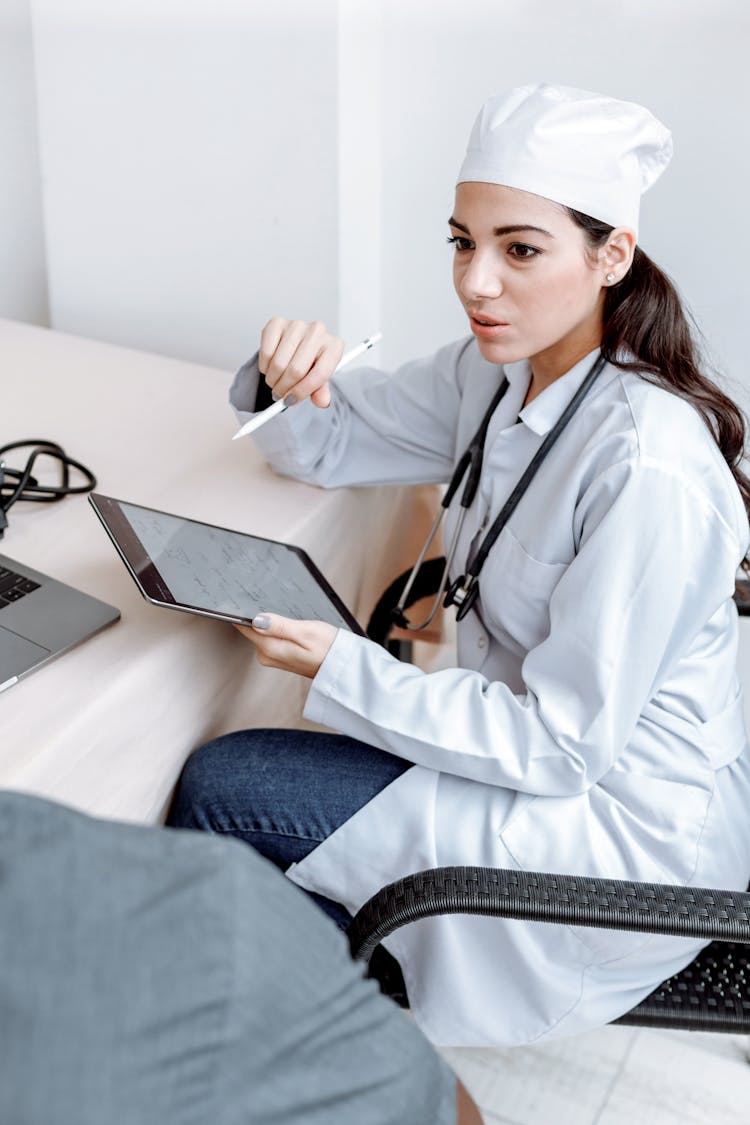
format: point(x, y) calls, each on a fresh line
point(522, 272)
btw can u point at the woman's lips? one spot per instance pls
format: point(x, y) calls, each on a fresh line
point(487, 329)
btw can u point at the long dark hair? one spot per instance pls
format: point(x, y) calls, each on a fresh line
point(643, 316)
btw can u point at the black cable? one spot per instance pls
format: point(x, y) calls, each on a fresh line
point(21, 484)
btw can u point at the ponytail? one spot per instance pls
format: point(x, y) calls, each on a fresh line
point(644, 319)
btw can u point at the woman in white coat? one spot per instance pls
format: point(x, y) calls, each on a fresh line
point(593, 724)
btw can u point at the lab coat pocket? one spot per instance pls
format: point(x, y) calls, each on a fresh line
point(516, 589)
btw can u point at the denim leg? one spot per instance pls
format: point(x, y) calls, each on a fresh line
point(281, 791)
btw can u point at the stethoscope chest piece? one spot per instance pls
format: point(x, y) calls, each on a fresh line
point(462, 593)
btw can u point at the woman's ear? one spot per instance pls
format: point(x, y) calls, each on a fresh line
point(616, 256)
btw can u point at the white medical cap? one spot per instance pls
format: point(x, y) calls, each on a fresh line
point(586, 151)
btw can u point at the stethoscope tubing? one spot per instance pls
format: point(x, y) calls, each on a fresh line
point(463, 591)
point(533, 467)
point(471, 459)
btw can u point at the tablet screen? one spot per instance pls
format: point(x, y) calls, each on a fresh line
point(199, 566)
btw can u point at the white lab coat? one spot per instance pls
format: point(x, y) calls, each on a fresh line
point(594, 723)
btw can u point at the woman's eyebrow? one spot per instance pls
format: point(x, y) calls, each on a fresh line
point(513, 228)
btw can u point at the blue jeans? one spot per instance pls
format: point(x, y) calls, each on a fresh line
point(281, 791)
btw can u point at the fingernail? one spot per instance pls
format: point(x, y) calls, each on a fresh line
point(290, 400)
point(261, 621)
point(274, 396)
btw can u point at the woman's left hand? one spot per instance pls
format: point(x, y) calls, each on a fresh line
point(293, 646)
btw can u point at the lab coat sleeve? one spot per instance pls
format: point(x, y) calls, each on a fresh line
point(655, 561)
point(380, 428)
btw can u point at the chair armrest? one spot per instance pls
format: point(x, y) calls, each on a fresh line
point(616, 904)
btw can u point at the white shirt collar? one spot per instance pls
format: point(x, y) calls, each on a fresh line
point(542, 413)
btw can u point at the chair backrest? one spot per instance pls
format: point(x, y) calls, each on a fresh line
point(426, 585)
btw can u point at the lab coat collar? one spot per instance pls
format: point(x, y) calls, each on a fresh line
point(541, 414)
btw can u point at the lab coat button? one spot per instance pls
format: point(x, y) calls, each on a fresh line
point(482, 641)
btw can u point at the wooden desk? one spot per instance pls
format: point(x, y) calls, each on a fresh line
point(107, 727)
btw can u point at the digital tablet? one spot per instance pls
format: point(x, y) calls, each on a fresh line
point(229, 575)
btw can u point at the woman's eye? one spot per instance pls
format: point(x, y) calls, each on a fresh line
point(459, 242)
point(523, 252)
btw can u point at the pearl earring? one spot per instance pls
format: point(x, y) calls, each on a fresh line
point(610, 278)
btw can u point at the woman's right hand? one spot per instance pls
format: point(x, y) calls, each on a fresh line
point(298, 359)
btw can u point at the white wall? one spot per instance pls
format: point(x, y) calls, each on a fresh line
point(360, 169)
point(207, 163)
point(23, 278)
point(684, 59)
point(189, 158)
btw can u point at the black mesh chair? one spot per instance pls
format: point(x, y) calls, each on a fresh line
point(710, 994)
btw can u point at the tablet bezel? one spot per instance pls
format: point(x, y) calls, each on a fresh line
point(152, 585)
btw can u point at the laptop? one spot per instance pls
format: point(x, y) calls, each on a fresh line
point(40, 618)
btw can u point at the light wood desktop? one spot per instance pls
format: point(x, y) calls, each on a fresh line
point(107, 727)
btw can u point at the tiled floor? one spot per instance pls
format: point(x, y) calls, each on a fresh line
point(616, 1076)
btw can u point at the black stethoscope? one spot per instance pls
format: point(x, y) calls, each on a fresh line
point(20, 484)
point(463, 591)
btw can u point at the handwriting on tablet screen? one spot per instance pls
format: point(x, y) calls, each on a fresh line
point(228, 572)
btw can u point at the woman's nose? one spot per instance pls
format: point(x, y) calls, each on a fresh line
point(481, 278)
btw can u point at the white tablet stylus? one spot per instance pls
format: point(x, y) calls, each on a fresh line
point(278, 407)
